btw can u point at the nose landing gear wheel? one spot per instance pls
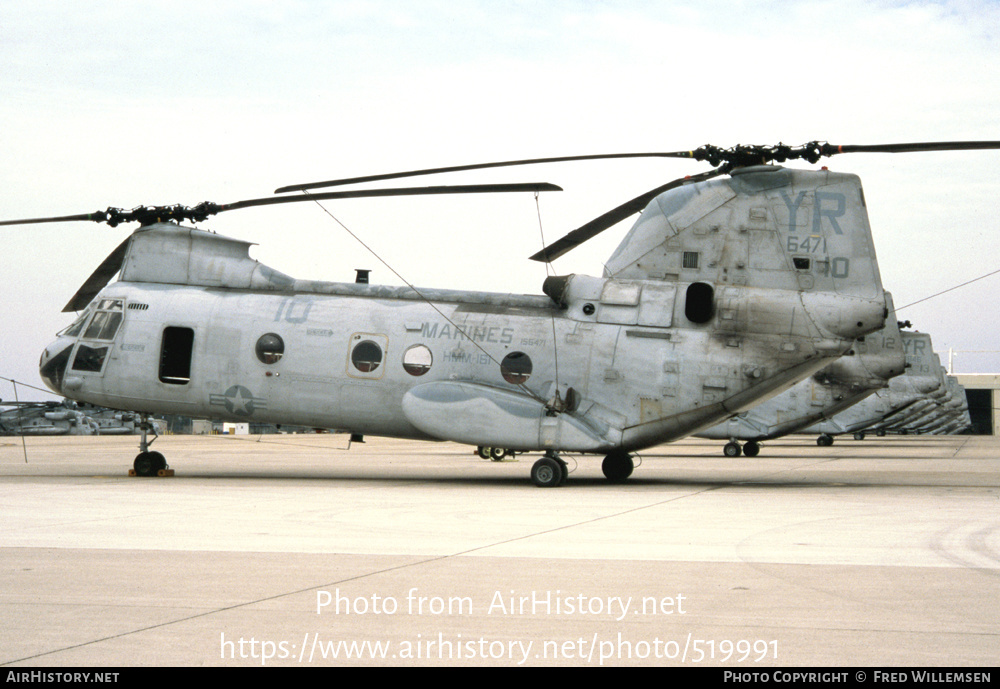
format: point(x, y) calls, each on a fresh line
point(149, 463)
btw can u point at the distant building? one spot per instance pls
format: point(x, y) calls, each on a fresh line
point(982, 390)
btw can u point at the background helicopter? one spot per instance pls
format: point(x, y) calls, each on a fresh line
point(868, 367)
point(723, 242)
point(45, 418)
point(918, 392)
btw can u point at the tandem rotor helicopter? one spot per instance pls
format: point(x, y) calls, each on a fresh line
point(732, 285)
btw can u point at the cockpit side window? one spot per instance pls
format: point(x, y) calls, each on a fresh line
point(101, 323)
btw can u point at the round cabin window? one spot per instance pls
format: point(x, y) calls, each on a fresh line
point(516, 368)
point(270, 348)
point(366, 356)
point(417, 360)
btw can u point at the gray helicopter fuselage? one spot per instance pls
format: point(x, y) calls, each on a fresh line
point(723, 294)
point(634, 384)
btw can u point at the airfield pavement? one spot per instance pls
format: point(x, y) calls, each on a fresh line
point(293, 550)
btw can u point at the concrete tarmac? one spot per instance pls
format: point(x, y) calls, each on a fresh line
point(293, 550)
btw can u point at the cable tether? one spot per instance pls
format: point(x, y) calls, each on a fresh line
point(548, 273)
point(427, 301)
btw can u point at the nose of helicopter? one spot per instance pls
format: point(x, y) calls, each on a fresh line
point(53, 363)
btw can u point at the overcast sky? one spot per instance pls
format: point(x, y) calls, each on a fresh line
point(124, 104)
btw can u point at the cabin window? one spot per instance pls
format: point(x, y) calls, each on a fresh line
point(699, 306)
point(366, 356)
point(270, 348)
point(690, 259)
point(516, 368)
point(175, 355)
point(417, 360)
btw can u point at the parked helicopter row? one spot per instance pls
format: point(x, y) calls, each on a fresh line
point(64, 417)
point(731, 287)
point(890, 382)
point(923, 400)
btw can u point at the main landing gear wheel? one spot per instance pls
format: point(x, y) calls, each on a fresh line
point(495, 454)
point(149, 464)
point(617, 466)
point(549, 472)
point(751, 448)
point(732, 449)
point(824, 440)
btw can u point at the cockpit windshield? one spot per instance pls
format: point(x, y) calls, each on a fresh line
point(74, 329)
point(102, 320)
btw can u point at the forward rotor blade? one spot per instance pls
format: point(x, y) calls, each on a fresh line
point(831, 149)
point(99, 216)
point(147, 215)
point(100, 277)
point(611, 218)
point(477, 166)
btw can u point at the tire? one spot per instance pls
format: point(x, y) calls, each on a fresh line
point(149, 464)
point(547, 473)
point(145, 464)
point(617, 466)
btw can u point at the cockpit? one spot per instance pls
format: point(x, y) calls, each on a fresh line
point(95, 330)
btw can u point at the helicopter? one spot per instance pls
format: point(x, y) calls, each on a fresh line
point(867, 368)
point(45, 419)
point(732, 285)
point(66, 417)
point(949, 417)
point(917, 392)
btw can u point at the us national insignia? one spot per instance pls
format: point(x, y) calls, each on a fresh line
point(238, 401)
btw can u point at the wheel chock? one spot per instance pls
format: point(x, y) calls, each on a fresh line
point(162, 473)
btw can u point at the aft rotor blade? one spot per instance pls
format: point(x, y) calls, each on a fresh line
point(831, 149)
point(477, 166)
point(100, 277)
point(611, 218)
